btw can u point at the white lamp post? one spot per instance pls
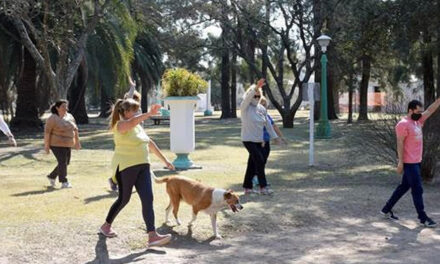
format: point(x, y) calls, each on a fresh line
point(323, 41)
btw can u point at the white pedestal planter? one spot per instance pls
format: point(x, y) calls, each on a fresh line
point(182, 133)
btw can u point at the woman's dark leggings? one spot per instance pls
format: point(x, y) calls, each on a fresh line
point(62, 154)
point(266, 150)
point(256, 165)
point(138, 176)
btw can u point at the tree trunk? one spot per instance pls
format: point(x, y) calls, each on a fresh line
point(26, 115)
point(77, 99)
point(106, 103)
point(226, 107)
point(234, 85)
point(428, 70)
point(431, 145)
point(145, 89)
point(438, 52)
point(438, 69)
point(266, 39)
point(43, 89)
point(287, 117)
point(363, 104)
point(350, 103)
point(332, 86)
point(317, 108)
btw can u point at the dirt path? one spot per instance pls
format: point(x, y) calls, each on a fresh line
point(328, 214)
point(321, 220)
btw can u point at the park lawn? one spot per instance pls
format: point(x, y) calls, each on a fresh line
point(343, 191)
point(26, 200)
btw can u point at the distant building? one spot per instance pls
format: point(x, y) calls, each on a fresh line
point(378, 98)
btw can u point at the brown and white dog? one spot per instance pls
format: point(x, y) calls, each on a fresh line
point(201, 197)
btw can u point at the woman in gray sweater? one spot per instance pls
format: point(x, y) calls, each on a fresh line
point(253, 120)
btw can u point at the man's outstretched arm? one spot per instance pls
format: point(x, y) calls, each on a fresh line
point(431, 109)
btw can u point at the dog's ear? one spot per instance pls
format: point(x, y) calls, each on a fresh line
point(230, 191)
point(228, 194)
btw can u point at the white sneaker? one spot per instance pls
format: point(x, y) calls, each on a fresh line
point(65, 185)
point(266, 191)
point(52, 182)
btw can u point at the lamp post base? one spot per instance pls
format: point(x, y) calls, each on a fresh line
point(183, 162)
point(323, 131)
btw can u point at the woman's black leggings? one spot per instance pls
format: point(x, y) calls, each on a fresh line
point(256, 165)
point(62, 154)
point(138, 176)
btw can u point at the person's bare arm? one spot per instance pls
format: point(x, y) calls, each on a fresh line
point(125, 125)
point(400, 141)
point(431, 109)
point(77, 143)
point(156, 151)
point(279, 133)
point(47, 131)
point(249, 94)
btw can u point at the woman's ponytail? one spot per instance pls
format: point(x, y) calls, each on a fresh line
point(116, 112)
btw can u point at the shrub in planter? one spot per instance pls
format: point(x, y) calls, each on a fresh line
point(180, 82)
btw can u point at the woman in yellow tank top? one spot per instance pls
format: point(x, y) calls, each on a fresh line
point(131, 166)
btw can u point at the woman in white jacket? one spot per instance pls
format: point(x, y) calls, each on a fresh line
point(253, 120)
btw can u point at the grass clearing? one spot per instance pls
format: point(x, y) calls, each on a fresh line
point(324, 214)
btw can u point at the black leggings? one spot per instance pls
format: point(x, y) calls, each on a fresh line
point(138, 176)
point(256, 164)
point(266, 150)
point(62, 154)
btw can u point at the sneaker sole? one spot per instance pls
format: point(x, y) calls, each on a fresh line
point(159, 243)
point(109, 235)
point(386, 216)
point(428, 226)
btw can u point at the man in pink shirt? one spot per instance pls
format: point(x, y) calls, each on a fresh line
point(410, 149)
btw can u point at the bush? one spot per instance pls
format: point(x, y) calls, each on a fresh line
point(180, 82)
point(378, 137)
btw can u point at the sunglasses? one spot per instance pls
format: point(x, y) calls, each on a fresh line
point(257, 96)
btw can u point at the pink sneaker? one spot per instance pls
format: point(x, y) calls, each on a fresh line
point(106, 230)
point(159, 240)
point(248, 191)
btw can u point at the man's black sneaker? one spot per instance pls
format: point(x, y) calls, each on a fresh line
point(389, 215)
point(429, 223)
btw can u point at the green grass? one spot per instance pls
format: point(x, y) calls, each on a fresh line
point(40, 217)
point(25, 197)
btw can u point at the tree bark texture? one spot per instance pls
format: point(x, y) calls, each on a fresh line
point(26, 115)
point(77, 100)
point(363, 100)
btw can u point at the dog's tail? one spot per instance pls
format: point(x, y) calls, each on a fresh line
point(159, 180)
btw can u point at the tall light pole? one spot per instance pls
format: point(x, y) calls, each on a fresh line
point(323, 130)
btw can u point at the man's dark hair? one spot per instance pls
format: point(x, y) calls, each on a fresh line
point(413, 105)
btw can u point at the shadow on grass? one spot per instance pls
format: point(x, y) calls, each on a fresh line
point(110, 194)
point(27, 153)
point(47, 190)
point(187, 241)
point(165, 172)
point(102, 255)
point(328, 212)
